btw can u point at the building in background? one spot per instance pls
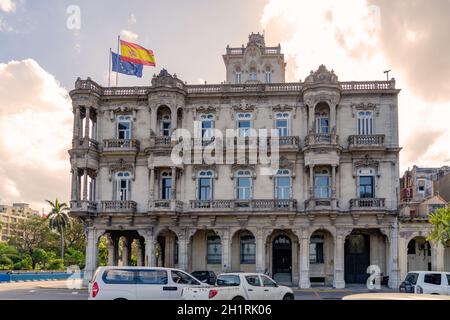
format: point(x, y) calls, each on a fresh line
point(10, 218)
point(441, 186)
point(417, 184)
point(329, 212)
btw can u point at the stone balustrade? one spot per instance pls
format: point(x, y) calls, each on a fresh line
point(366, 140)
point(120, 145)
point(367, 203)
point(121, 206)
point(164, 141)
point(320, 139)
point(369, 86)
point(270, 204)
point(167, 205)
point(83, 206)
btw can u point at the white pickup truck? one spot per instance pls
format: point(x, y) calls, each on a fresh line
point(240, 286)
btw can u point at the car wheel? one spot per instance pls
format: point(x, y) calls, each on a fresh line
point(238, 298)
point(288, 296)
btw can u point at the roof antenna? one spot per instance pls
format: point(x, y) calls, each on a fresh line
point(387, 74)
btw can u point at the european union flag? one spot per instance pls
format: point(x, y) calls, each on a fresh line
point(125, 67)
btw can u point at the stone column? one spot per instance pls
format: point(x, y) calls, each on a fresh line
point(74, 172)
point(126, 251)
point(78, 186)
point(87, 123)
point(437, 257)
point(311, 181)
point(311, 117)
point(304, 260)
point(91, 254)
point(260, 251)
point(183, 252)
point(140, 258)
point(402, 256)
point(112, 250)
point(174, 183)
point(76, 125)
point(151, 186)
point(332, 117)
point(150, 258)
point(338, 281)
point(85, 182)
point(226, 251)
point(394, 271)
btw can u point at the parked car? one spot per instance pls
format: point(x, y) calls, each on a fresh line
point(426, 282)
point(240, 286)
point(205, 276)
point(140, 283)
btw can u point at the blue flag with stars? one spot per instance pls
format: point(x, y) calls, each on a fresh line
point(125, 67)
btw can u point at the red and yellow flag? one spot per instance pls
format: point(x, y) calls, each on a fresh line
point(135, 53)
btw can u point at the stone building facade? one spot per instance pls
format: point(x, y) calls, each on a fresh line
point(326, 214)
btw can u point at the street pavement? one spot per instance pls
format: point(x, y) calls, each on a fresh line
point(57, 290)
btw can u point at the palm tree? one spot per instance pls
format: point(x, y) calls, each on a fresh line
point(58, 220)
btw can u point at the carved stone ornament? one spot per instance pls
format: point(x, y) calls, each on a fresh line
point(121, 165)
point(165, 79)
point(365, 107)
point(367, 162)
point(204, 167)
point(244, 107)
point(235, 167)
point(322, 75)
point(121, 110)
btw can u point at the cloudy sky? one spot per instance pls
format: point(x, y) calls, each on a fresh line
point(43, 50)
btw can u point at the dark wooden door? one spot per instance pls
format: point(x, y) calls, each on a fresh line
point(357, 258)
point(282, 255)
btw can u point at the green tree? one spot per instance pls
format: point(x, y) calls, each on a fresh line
point(74, 235)
point(59, 220)
point(8, 255)
point(440, 220)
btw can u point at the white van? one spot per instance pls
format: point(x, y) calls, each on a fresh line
point(140, 283)
point(426, 282)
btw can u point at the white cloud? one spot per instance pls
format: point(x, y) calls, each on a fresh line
point(128, 35)
point(7, 6)
point(35, 134)
point(4, 26)
point(347, 37)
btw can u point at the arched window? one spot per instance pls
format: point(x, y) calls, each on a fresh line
point(243, 185)
point(205, 185)
point(366, 183)
point(282, 124)
point(122, 186)
point(322, 184)
point(237, 76)
point(252, 74)
point(248, 249)
point(207, 121)
point(268, 75)
point(316, 249)
point(214, 250)
point(165, 121)
point(166, 185)
point(283, 186)
point(123, 130)
point(365, 123)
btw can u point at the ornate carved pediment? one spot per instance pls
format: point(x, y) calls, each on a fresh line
point(114, 111)
point(165, 79)
point(121, 165)
point(365, 106)
point(244, 106)
point(322, 75)
point(200, 167)
point(235, 167)
point(282, 108)
point(366, 162)
point(206, 109)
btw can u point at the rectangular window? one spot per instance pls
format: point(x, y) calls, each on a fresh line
point(207, 129)
point(152, 277)
point(282, 126)
point(433, 278)
point(365, 123)
point(366, 187)
point(248, 250)
point(268, 77)
point(204, 189)
point(322, 187)
point(244, 128)
point(237, 78)
point(166, 188)
point(214, 250)
point(166, 126)
point(283, 188)
point(322, 125)
point(316, 250)
point(243, 188)
point(124, 130)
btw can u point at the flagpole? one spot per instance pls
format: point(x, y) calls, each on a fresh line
point(109, 70)
point(118, 52)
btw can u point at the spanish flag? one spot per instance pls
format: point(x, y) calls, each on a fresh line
point(136, 54)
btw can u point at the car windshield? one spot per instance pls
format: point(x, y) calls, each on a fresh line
point(182, 278)
point(200, 274)
point(228, 281)
point(412, 278)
